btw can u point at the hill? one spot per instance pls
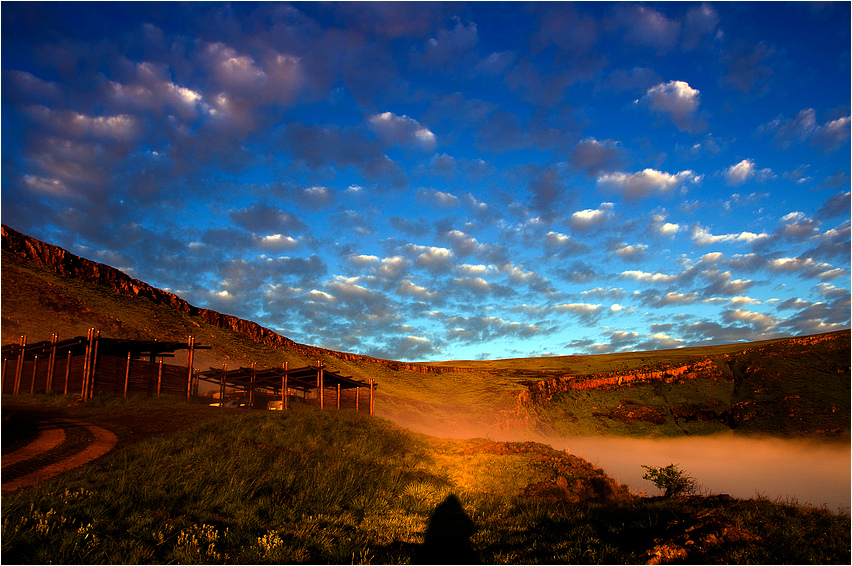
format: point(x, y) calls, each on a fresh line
point(789, 387)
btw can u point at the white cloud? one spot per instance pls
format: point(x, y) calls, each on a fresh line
point(38, 184)
point(806, 267)
point(761, 322)
point(633, 252)
point(476, 270)
point(804, 127)
point(739, 173)
point(702, 237)
point(362, 260)
point(643, 183)
point(317, 197)
point(278, 242)
point(393, 267)
point(431, 257)
point(578, 308)
point(409, 288)
point(675, 98)
point(646, 277)
point(589, 218)
point(445, 199)
point(120, 127)
point(402, 130)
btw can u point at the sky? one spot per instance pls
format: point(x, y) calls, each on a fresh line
point(436, 181)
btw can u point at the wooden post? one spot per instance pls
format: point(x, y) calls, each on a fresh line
point(189, 362)
point(321, 385)
point(67, 373)
point(127, 375)
point(35, 370)
point(251, 389)
point(83, 390)
point(51, 363)
point(338, 396)
point(372, 406)
point(20, 366)
point(159, 376)
point(93, 366)
point(286, 385)
point(3, 381)
point(222, 385)
point(356, 398)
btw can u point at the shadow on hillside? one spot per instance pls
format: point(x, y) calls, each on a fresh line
point(447, 538)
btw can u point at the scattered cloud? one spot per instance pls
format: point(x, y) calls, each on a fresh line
point(677, 100)
point(643, 184)
point(741, 172)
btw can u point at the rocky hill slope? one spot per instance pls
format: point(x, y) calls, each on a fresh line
point(70, 266)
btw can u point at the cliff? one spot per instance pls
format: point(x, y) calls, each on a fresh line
point(71, 266)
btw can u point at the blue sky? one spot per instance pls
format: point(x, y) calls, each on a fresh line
point(434, 181)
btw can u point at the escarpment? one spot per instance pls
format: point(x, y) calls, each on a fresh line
point(72, 266)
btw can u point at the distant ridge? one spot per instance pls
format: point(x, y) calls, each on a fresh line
point(66, 264)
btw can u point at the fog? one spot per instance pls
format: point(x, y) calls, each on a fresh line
point(807, 472)
point(810, 473)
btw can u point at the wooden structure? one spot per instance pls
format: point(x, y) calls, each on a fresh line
point(93, 363)
point(314, 383)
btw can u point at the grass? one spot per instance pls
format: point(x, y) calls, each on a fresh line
point(341, 487)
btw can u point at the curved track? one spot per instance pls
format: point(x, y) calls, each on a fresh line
point(61, 445)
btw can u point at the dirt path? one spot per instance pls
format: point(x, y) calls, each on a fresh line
point(61, 445)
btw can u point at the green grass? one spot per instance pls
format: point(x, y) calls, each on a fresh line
point(341, 487)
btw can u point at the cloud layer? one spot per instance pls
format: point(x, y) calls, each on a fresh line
point(431, 181)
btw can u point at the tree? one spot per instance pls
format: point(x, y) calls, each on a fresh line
point(671, 480)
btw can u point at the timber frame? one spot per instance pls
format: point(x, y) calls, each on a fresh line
point(108, 365)
point(94, 363)
point(309, 382)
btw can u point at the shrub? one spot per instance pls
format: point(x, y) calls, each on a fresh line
point(671, 480)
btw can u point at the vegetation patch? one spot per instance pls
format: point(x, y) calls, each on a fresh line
point(314, 486)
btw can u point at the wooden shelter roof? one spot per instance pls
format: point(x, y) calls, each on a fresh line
point(106, 346)
point(304, 378)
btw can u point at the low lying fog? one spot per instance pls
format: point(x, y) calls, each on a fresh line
point(809, 472)
point(812, 473)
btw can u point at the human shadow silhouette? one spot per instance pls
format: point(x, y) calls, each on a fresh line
point(447, 538)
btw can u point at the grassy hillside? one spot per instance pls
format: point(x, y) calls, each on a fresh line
point(314, 486)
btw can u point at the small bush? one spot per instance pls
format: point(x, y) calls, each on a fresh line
point(671, 480)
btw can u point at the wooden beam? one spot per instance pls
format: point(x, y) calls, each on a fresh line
point(83, 390)
point(20, 367)
point(284, 389)
point(51, 363)
point(159, 376)
point(189, 361)
point(35, 369)
point(222, 386)
point(94, 364)
point(126, 375)
point(67, 373)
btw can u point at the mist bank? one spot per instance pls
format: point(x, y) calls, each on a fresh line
point(807, 472)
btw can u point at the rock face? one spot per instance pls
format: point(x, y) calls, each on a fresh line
point(72, 266)
point(539, 391)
